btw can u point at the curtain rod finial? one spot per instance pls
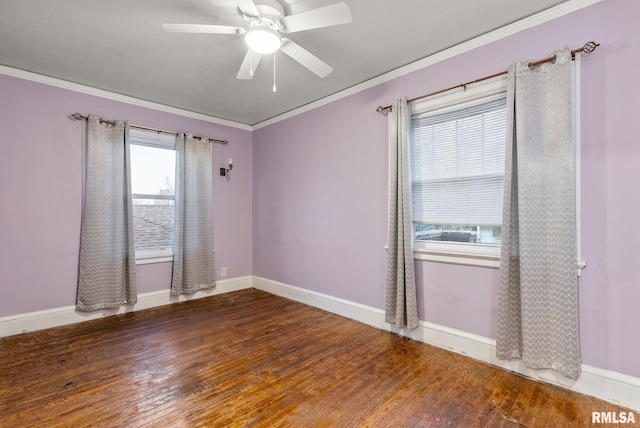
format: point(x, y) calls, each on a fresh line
point(76, 116)
point(383, 110)
point(590, 47)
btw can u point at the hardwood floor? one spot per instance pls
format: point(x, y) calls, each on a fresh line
point(249, 358)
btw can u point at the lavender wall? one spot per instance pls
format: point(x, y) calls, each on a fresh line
point(40, 193)
point(319, 183)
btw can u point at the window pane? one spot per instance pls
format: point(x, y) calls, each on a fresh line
point(451, 233)
point(152, 170)
point(152, 175)
point(153, 224)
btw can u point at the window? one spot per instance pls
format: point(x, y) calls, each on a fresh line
point(457, 155)
point(153, 160)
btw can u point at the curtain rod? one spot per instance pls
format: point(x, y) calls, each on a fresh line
point(587, 48)
point(78, 116)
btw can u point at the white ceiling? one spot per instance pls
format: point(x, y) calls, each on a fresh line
point(119, 46)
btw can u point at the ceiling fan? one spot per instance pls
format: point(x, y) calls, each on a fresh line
point(266, 20)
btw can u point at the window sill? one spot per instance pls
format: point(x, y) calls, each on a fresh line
point(152, 260)
point(145, 257)
point(465, 254)
point(458, 253)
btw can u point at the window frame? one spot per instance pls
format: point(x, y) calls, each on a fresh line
point(153, 139)
point(471, 254)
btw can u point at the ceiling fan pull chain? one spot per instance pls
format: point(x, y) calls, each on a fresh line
point(274, 72)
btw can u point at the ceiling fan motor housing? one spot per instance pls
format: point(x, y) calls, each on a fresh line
point(271, 9)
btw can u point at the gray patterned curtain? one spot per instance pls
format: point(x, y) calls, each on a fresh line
point(537, 295)
point(401, 307)
point(106, 277)
point(193, 265)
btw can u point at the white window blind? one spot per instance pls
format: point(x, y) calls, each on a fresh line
point(458, 165)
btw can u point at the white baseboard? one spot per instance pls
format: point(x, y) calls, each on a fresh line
point(617, 388)
point(32, 321)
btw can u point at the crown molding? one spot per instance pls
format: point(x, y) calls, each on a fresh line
point(500, 33)
point(495, 35)
point(89, 90)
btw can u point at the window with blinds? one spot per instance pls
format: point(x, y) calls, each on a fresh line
point(457, 173)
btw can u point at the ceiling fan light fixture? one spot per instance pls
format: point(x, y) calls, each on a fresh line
point(263, 40)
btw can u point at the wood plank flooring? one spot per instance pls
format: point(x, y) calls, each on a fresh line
point(249, 358)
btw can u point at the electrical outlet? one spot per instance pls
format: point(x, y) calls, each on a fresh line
point(223, 271)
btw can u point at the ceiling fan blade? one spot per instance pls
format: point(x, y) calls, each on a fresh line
point(202, 28)
point(248, 7)
point(306, 58)
point(249, 65)
point(326, 16)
